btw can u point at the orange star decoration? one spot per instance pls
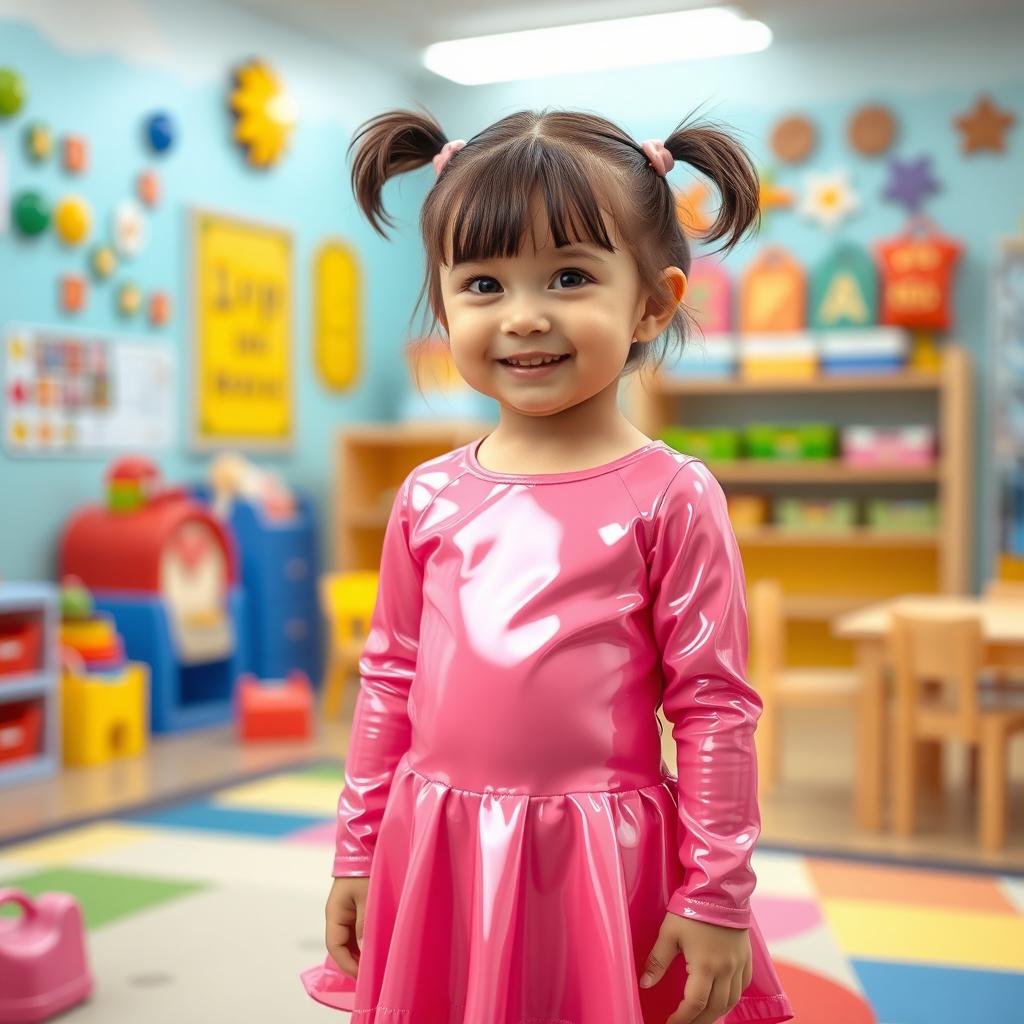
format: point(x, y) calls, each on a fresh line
point(690, 208)
point(983, 126)
point(264, 113)
point(772, 196)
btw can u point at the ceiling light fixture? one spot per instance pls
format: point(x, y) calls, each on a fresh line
point(598, 46)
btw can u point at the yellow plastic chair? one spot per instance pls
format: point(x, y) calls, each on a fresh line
point(347, 600)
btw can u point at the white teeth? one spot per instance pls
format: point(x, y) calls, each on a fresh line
point(534, 362)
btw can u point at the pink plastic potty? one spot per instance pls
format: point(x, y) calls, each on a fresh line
point(329, 985)
point(43, 966)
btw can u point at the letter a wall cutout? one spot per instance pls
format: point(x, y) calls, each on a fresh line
point(844, 290)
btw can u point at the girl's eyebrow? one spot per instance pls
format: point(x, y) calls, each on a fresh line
point(554, 254)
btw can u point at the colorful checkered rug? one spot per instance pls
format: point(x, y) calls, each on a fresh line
point(208, 909)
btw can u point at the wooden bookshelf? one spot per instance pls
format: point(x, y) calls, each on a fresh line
point(826, 573)
point(370, 462)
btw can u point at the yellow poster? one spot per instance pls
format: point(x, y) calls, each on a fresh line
point(243, 335)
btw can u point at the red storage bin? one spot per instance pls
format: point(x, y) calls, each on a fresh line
point(21, 641)
point(21, 723)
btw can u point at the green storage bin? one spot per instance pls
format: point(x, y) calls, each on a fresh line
point(905, 515)
point(709, 444)
point(809, 515)
point(802, 441)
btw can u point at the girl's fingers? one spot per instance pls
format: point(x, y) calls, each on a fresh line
point(717, 1003)
point(737, 989)
point(695, 998)
point(337, 939)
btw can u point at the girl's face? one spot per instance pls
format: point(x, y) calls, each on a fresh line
point(579, 302)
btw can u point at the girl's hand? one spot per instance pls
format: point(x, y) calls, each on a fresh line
point(719, 966)
point(345, 913)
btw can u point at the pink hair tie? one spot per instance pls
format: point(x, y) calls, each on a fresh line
point(661, 159)
point(448, 150)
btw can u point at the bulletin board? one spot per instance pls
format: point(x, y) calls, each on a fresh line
point(243, 338)
point(74, 392)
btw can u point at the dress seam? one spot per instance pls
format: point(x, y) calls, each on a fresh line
point(574, 792)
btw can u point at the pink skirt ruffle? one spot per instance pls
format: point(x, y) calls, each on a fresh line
point(514, 909)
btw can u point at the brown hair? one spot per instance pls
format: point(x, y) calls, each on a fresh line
point(579, 163)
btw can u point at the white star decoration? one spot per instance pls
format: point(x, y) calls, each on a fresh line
point(828, 198)
point(129, 228)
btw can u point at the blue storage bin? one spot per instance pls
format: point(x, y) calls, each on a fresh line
point(279, 570)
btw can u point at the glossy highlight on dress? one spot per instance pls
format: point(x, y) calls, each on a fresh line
point(505, 789)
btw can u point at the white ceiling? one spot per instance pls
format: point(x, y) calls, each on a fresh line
point(395, 31)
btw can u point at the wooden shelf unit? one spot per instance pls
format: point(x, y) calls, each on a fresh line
point(370, 462)
point(825, 574)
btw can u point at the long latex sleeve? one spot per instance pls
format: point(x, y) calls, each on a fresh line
point(700, 621)
point(381, 730)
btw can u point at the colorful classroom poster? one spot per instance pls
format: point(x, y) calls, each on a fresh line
point(243, 351)
point(71, 392)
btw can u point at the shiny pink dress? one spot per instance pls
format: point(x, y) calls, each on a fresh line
point(505, 790)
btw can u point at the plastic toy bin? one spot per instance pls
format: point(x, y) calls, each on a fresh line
point(21, 641)
point(21, 727)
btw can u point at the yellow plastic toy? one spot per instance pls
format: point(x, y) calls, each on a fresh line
point(347, 600)
point(105, 717)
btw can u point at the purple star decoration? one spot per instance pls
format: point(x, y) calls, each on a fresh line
point(910, 182)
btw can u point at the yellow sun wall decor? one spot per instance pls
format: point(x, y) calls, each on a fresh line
point(264, 113)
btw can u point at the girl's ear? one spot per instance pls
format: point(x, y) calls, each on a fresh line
point(659, 309)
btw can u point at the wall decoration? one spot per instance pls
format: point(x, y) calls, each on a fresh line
point(771, 196)
point(828, 198)
point(844, 290)
point(129, 299)
point(794, 138)
point(917, 276)
point(264, 113)
point(983, 127)
point(75, 151)
point(159, 308)
point(12, 92)
point(77, 393)
point(871, 130)
point(103, 262)
point(708, 296)
point(773, 293)
point(72, 290)
point(129, 228)
point(691, 208)
point(147, 186)
point(338, 312)
point(38, 142)
point(72, 220)
point(160, 131)
point(910, 182)
point(243, 334)
point(31, 213)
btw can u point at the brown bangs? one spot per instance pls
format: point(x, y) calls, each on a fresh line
point(483, 210)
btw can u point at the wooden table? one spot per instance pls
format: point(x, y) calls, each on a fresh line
point(1002, 624)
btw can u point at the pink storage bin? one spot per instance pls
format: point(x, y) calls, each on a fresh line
point(43, 964)
point(913, 446)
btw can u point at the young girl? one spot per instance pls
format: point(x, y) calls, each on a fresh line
point(511, 848)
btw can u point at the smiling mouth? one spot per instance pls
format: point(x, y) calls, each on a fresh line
point(537, 366)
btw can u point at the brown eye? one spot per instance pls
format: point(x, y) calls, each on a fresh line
point(473, 280)
point(572, 273)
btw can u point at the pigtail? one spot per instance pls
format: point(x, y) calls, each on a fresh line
point(386, 145)
point(721, 158)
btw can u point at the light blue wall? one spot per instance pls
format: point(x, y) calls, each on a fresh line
point(180, 60)
point(178, 57)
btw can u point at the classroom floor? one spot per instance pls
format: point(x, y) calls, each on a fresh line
point(810, 809)
point(209, 907)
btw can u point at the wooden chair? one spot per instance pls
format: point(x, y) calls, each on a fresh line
point(941, 696)
point(781, 687)
point(347, 600)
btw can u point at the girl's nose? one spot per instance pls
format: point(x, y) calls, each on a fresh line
point(526, 321)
